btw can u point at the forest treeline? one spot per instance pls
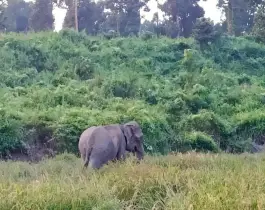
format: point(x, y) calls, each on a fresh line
point(124, 16)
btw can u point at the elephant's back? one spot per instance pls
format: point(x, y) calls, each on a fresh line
point(114, 130)
point(85, 138)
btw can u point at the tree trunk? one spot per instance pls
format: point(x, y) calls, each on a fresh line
point(230, 18)
point(76, 15)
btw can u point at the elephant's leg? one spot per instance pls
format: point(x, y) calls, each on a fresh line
point(86, 163)
point(101, 154)
point(121, 157)
point(95, 163)
point(83, 156)
point(86, 157)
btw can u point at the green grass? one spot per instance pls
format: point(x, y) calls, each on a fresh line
point(190, 181)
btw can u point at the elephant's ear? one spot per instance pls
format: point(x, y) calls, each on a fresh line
point(135, 129)
point(138, 132)
point(128, 132)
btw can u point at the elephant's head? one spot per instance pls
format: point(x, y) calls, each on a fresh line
point(134, 138)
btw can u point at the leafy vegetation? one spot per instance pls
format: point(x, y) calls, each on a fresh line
point(55, 85)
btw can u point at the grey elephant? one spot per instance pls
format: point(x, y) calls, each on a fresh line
point(100, 144)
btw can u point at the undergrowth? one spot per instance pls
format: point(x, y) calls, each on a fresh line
point(55, 85)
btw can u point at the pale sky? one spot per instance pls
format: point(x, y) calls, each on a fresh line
point(210, 11)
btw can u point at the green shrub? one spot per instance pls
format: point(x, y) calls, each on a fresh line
point(147, 35)
point(204, 31)
point(201, 142)
point(250, 123)
point(210, 124)
point(12, 134)
point(30, 55)
point(84, 68)
point(111, 34)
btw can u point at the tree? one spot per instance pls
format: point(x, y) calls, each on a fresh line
point(2, 15)
point(125, 15)
point(156, 26)
point(182, 14)
point(239, 15)
point(204, 31)
point(69, 19)
point(17, 14)
point(90, 16)
point(75, 14)
point(42, 17)
point(259, 26)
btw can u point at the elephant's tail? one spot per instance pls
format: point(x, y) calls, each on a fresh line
point(87, 157)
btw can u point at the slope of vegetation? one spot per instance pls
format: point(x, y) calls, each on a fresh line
point(55, 85)
point(189, 181)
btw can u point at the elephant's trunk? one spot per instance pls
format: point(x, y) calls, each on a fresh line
point(140, 153)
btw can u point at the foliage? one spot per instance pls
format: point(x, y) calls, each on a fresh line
point(124, 16)
point(17, 15)
point(12, 134)
point(90, 16)
point(239, 15)
point(182, 15)
point(259, 27)
point(2, 15)
point(61, 83)
point(200, 142)
point(204, 32)
point(42, 18)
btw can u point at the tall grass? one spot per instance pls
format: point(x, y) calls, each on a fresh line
point(190, 181)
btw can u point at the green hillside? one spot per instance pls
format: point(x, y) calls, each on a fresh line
point(55, 85)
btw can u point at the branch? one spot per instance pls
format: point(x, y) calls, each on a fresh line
point(60, 3)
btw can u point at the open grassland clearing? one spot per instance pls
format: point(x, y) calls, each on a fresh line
point(190, 181)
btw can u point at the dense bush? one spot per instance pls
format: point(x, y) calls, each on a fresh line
point(182, 97)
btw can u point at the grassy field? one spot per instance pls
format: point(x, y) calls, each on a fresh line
point(190, 181)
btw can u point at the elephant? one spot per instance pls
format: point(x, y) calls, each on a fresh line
point(100, 144)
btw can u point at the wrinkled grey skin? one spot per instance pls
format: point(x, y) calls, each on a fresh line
point(100, 144)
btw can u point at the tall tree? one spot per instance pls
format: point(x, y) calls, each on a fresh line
point(259, 24)
point(42, 18)
point(126, 14)
point(239, 14)
point(156, 26)
point(182, 14)
point(2, 15)
point(69, 19)
point(91, 16)
point(17, 14)
point(75, 14)
point(204, 32)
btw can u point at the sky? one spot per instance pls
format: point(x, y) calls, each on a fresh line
point(210, 11)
